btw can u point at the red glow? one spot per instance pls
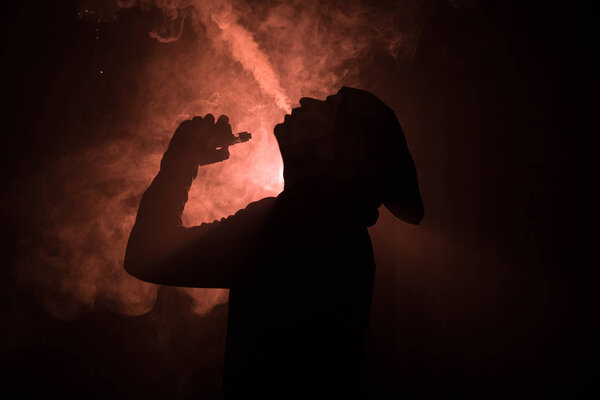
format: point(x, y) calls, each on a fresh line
point(247, 66)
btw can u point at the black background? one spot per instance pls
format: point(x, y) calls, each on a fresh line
point(493, 296)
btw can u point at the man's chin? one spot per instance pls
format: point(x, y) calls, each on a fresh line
point(279, 128)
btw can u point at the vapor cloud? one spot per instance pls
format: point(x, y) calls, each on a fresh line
point(249, 60)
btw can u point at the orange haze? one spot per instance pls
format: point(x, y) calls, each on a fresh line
point(252, 64)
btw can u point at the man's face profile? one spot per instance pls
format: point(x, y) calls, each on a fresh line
point(306, 137)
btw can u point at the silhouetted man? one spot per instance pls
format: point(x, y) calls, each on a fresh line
point(300, 266)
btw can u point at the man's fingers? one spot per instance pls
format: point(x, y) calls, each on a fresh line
point(196, 124)
point(187, 124)
point(223, 119)
point(204, 134)
point(223, 126)
point(209, 119)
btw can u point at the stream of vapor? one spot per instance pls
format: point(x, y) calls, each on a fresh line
point(244, 49)
point(246, 60)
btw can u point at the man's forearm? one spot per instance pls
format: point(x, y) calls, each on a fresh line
point(159, 216)
point(163, 202)
point(160, 248)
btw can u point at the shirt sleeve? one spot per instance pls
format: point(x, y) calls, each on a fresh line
point(211, 255)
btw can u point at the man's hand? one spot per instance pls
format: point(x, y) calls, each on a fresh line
point(200, 141)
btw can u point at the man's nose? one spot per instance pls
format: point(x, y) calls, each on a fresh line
point(308, 102)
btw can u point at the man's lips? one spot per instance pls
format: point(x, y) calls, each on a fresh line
point(287, 117)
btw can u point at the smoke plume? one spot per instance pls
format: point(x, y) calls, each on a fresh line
point(249, 60)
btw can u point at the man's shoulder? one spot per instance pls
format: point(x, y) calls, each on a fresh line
point(262, 203)
point(257, 208)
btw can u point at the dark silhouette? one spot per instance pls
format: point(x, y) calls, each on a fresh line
point(300, 266)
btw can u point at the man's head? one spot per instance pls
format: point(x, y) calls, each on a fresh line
point(352, 137)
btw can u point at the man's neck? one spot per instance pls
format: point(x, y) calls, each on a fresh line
point(338, 199)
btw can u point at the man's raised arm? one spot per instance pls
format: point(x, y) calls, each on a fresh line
point(160, 249)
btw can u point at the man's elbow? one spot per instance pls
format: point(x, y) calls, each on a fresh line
point(134, 267)
point(139, 266)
